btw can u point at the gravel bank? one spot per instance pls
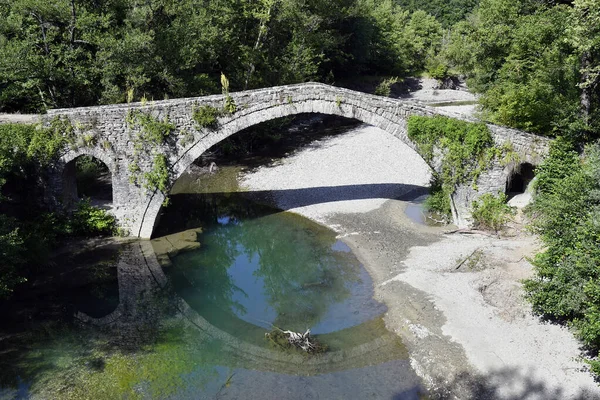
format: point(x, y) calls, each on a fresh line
point(469, 332)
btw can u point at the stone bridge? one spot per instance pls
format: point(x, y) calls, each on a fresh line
point(104, 132)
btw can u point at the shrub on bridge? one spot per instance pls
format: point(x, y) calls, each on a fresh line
point(205, 117)
point(466, 149)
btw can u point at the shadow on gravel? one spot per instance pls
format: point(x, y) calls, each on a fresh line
point(293, 198)
point(505, 384)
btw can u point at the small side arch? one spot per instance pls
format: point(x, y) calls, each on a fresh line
point(72, 190)
point(519, 179)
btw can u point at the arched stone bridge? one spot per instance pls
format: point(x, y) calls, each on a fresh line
point(103, 132)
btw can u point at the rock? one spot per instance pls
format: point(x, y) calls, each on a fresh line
point(169, 246)
point(520, 200)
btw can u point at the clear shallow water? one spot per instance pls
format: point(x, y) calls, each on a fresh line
point(279, 269)
point(192, 313)
point(417, 212)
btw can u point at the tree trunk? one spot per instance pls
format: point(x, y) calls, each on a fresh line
point(585, 98)
point(262, 33)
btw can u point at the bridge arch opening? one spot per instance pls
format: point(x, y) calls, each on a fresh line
point(519, 180)
point(372, 165)
point(87, 177)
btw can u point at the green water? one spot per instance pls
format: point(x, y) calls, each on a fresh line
point(192, 310)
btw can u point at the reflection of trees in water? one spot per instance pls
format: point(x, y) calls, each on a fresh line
point(189, 211)
point(301, 272)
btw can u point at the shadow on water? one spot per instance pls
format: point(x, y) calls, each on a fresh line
point(190, 210)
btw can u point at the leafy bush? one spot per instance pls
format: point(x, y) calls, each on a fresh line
point(205, 117)
point(437, 68)
point(88, 220)
point(439, 200)
point(385, 87)
point(230, 107)
point(492, 212)
point(12, 254)
point(566, 212)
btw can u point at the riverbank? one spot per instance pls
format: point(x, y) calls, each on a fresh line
point(469, 332)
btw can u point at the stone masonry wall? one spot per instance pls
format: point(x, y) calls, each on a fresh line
point(111, 140)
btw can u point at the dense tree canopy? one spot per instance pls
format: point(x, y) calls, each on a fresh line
point(448, 12)
point(535, 62)
point(84, 52)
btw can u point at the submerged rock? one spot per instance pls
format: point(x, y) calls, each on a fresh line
point(169, 246)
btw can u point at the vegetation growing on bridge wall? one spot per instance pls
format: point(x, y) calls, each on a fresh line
point(149, 140)
point(205, 117)
point(466, 149)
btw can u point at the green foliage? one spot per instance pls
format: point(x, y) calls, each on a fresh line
point(566, 212)
point(385, 87)
point(394, 41)
point(448, 12)
point(158, 177)
point(88, 220)
point(527, 60)
point(562, 161)
point(229, 107)
point(437, 68)
point(150, 129)
point(85, 53)
point(439, 199)
point(467, 149)
point(509, 156)
point(205, 117)
point(492, 212)
point(13, 255)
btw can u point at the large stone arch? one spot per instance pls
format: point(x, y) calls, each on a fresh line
point(250, 117)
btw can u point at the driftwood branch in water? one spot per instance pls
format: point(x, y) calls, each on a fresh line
point(290, 339)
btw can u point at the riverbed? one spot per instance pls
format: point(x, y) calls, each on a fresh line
point(469, 331)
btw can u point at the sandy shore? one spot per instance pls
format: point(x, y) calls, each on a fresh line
point(469, 331)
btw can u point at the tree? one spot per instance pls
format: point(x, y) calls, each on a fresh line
point(584, 36)
point(520, 60)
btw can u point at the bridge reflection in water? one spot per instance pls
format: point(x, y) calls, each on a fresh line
point(363, 359)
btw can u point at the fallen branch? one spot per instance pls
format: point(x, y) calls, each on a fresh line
point(290, 339)
point(460, 264)
point(467, 231)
